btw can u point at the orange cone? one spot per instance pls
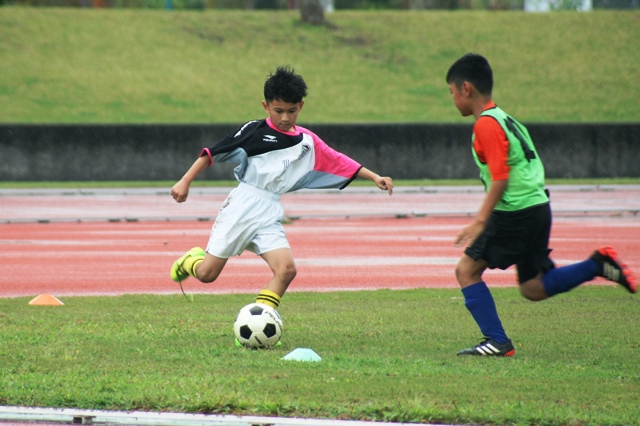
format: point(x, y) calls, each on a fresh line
point(46, 300)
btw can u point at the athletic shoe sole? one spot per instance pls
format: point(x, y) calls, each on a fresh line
point(490, 348)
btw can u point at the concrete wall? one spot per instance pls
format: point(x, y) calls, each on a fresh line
point(403, 151)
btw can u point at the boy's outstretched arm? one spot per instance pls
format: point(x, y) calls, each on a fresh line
point(180, 190)
point(385, 183)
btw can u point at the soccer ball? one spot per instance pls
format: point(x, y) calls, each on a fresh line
point(258, 326)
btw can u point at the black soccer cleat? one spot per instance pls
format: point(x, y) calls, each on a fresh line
point(489, 347)
point(612, 268)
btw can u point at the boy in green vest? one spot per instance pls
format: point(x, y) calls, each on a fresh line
point(513, 224)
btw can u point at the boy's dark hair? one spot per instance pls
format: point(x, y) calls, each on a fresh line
point(473, 68)
point(285, 85)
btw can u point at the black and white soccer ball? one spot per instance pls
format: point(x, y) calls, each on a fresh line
point(258, 326)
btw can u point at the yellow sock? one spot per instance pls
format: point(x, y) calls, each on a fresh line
point(190, 264)
point(268, 297)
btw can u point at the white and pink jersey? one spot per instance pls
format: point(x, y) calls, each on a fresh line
point(281, 162)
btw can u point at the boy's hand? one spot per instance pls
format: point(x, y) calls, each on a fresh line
point(469, 234)
point(180, 191)
point(385, 183)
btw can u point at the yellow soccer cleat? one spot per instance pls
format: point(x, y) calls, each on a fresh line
point(185, 265)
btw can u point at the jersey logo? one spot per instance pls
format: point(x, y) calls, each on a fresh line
point(242, 128)
point(305, 150)
point(269, 138)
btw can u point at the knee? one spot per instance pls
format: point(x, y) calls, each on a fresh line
point(469, 271)
point(533, 291)
point(287, 272)
point(205, 275)
point(459, 274)
point(531, 297)
point(464, 276)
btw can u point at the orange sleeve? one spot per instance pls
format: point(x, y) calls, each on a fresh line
point(492, 146)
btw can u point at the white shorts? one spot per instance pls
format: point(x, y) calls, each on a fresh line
point(249, 219)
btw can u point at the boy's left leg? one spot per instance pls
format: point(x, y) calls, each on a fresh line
point(610, 266)
point(604, 262)
point(558, 280)
point(284, 271)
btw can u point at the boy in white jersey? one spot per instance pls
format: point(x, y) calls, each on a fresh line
point(274, 156)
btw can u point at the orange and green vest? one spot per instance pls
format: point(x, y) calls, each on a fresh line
point(526, 177)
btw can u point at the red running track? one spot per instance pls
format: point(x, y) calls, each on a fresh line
point(113, 258)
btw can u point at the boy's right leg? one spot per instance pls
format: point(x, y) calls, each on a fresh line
point(198, 264)
point(185, 265)
point(480, 304)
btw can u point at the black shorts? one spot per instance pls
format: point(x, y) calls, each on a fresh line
point(518, 238)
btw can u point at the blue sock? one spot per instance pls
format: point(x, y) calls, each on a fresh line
point(565, 278)
point(479, 301)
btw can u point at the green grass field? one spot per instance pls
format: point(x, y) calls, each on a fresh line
point(154, 66)
point(386, 355)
